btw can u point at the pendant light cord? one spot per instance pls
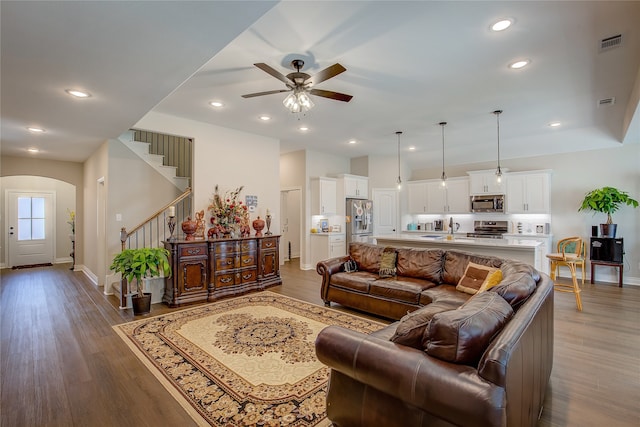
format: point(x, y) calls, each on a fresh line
point(444, 176)
point(497, 113)
point(399, 179)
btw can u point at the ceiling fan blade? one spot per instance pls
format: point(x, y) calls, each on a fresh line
point(326, 74)
point(275, 73)
point(270, 92)
point(332, 95)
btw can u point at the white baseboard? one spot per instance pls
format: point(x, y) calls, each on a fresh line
point(307, 267)
point(87, 272)
point(63, 260)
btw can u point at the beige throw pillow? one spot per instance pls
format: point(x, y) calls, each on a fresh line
point(478, 278)
point(388, 262)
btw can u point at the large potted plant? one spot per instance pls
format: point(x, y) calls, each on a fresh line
point(607, 200)
point(138, 264)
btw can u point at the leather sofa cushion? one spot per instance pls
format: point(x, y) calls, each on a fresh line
point(462, 335)
point(410, 328)
point(367, 256)
point(357, 281)
point(423, 263)
point(455, 263)
point(444, 294)
point(395, 288)
point(516, 288)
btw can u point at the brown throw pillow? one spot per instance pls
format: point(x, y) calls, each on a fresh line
point(411, 327)
point(388, 262)
point(478, 278)
point(462, 335)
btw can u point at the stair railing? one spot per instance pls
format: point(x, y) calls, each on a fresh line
point(152, 231)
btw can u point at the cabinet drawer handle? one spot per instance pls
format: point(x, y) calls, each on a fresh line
point(229, 261)
point(247, 276)
point(269, 244)
point(247, 261)
point(193, 251)
point(225, 280)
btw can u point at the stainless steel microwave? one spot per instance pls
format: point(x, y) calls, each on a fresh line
point(494, 203)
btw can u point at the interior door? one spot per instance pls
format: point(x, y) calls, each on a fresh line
point(290, 206)
point(30, 233)
point(385, 211)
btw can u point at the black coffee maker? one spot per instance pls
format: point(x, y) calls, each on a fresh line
point(437, 225)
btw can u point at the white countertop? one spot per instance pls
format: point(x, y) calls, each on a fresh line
point(517, 242)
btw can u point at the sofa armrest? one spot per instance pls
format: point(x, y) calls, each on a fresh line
point(437, 387)
point(328, 267)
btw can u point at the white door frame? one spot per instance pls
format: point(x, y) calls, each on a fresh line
point(51, 221)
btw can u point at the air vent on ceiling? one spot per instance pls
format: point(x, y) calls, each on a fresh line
point(606, 102)
point(611, 42)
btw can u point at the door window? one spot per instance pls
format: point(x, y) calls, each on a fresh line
point(31, 218)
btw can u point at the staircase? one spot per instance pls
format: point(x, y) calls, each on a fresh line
point(157, 161)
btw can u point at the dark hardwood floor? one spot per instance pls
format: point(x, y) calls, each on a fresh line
point(63, 365)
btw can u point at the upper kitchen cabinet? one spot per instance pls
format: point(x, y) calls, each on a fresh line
point(451, 198)
point(353, 187)
point(323, 196)
point(528, 192)
point(417, 197)
point(485, 182)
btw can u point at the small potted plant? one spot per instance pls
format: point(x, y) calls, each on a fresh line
point(607, 200)
point(138, 264)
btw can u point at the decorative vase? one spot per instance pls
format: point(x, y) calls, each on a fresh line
point(268, 233)
point(141, 304)
point(189, 227)
point(258, 225)
point(608, 230)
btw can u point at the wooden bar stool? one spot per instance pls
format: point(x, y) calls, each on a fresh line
point(571, 253)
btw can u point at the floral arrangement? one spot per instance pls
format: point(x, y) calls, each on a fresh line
point(72, 220)
point(227, 211)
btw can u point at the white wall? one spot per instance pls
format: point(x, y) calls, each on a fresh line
point(95, 167)
point(229, 158)
point(65, 195)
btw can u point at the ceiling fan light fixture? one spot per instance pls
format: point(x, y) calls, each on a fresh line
point(298, 102)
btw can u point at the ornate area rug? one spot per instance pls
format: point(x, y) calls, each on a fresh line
point(244, 361)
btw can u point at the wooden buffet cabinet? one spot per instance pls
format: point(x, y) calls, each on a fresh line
point(207, 270)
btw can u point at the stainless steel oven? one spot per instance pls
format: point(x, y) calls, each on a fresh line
point(494, 203)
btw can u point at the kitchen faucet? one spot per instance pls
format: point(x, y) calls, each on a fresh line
point(450, 225)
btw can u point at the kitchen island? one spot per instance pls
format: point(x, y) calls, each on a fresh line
point(521, 249)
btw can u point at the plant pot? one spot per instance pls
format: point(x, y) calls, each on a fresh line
point(141, 305)
point(608, 230)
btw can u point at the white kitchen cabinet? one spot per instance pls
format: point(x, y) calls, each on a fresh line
point(327, 245)
point(323, 196)
point(417, 197)
point(485, 182)
point(353, 186)
point(452, 198)
point(528, 192)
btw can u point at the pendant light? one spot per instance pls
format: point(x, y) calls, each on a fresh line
point(399, 181)
point(444, 176)
point(498, 170)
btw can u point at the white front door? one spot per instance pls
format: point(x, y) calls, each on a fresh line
point(30, 233)
point(385, 211)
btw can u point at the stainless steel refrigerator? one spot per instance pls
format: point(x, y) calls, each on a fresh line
point(359, 221)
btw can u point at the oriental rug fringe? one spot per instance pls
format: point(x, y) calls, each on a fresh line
point(246, 361)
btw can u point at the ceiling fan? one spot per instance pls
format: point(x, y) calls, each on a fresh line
point(301, 84)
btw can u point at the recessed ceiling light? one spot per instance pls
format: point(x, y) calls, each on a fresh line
point(353, 141)
point(412, 148)
point(303, 128)
point(35, 130)
point(33, 150)
point(265, 118)
point(519, 64)
point(555, 124)
point(217, 104)
point(78, 93)
point(502, 25)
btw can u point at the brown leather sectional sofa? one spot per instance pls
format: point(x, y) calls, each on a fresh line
point(477, 360)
